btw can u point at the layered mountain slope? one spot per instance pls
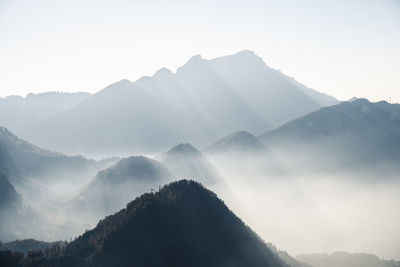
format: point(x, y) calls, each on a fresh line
point(119, 118)
point(112, 188)
point(27, 245)
point(237, 142)
point(9, 198)
point(202, 101)
point(185, 161)
point(10, 204)
point(275, 96)
point(183, 224)
point(25, 159)
point(20, 113)
point(240, 153)
point(352, 134)
point(216, 99)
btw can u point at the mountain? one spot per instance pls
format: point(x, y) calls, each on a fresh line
point(118, 119)
point(9, 198)
point(186, 162)
point(216, 99)
point(352, 135)
point(44, 180)
point(202, 101)
point(237, 142)
point(284, 256)
point(345, 259)
point(276, 97)
point(27, 245)
point(20, 113)
point(10, 204)
point(27, 160)
point(183, 224)
point(112, 188)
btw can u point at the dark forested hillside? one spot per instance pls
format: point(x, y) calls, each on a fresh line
point(183, 224)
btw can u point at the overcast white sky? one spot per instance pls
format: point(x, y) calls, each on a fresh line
point(343, 48)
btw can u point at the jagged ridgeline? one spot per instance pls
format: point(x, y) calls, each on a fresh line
point(183, 224)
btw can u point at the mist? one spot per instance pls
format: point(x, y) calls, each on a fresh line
point(308, 213)
point(311, 211)
point(306, 172)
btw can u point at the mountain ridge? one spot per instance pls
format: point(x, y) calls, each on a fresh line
point(197, 230)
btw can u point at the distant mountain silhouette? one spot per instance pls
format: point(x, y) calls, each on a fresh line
point(183, 224)
point(203, 100)
point(352, 134)
point(27, 245)
point(139, 168)
point(25, 159)
point(284, 256)
point(20, 113)
point(216, 99)
point(118, 119)
point(237, 142)
point(112, 188)
point(186, 162)
point(345, 259)
point(31, 170)
point(276, 97)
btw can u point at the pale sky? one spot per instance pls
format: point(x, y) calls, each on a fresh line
point(343, 48)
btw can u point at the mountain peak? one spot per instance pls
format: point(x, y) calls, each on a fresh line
point(163, 72)
point(246, 53)
point(124, 81)
point(137, 168)
point(241, 57)
point(193, 61)
point(237, 141)
point(184, 224)
point(360, 101)
point(184, 148)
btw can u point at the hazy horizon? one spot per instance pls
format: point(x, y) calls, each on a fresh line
point(342, 49)
point(207, 133)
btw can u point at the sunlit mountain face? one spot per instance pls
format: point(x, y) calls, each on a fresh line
point(225, 162)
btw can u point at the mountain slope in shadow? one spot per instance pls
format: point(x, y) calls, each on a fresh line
point(349, 135)
point(183, 224)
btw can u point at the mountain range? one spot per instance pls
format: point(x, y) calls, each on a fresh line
point(20, 113)
point(202, 101)
point(351, 135)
